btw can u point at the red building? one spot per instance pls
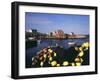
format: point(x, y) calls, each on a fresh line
point(59, 34)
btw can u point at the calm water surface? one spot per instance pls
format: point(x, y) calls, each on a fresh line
point(30, 52)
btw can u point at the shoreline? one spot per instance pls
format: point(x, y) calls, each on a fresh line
point(56, 38)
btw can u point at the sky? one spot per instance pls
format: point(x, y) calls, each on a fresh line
point(47, 22)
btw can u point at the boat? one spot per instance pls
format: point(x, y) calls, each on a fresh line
point(71, 43)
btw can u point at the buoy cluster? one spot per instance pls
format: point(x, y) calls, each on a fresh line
point(48, 57)
point(78, 60)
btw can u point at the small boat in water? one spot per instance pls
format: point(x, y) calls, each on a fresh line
point(71, 43)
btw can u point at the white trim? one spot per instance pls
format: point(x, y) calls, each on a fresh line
point(39, 71)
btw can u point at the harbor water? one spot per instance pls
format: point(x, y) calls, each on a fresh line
point(65, 43)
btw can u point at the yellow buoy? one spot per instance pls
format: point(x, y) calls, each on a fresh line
point(45, 55)
point(55, 54)
point(50, 58)
point(77, 59)
point(83, 45)
point(81, 54)
point(81, 60)
point(53, 63)
point(86, 44)
point(50, 50)
point(78, 64)
point(65, 63)
point(58, 65)
point(73, 64)
point(41, 64)
point(80, 48)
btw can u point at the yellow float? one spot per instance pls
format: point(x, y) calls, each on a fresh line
point(73, 64)
point(50, 58)
point(58, 65)
point(80, 48)
point(53, 63)
point(45, 55)
point(77, 59)
point(50, 50)
point(65, 63)
point(81, 54)
point(55, 54)
point(78, 64)
point(41, 64)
